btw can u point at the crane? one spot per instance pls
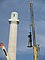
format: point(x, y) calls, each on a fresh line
point(33, 36)
point(4, 50)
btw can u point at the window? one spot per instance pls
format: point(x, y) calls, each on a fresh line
point(13, 15)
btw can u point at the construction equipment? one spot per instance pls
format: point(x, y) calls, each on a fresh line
point(34, 45)
point(4, 50)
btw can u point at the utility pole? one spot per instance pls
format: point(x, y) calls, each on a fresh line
point(33, 36)
point(13, 35)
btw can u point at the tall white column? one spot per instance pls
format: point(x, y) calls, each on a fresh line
point(13, 35)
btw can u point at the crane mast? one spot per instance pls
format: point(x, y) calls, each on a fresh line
point(32, 25)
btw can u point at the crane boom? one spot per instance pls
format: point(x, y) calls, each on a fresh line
point(32, 24)
point(35, 46)
point(4, 50)
point(33, 32)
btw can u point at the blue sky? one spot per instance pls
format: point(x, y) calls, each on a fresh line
point(23, 9)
